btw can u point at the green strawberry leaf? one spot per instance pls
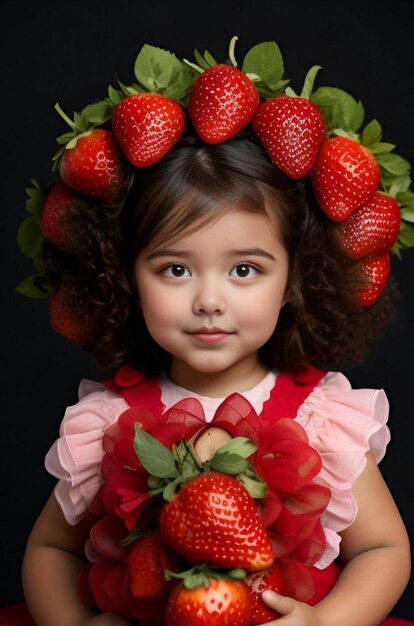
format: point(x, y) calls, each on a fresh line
point(309, 82)
point(169, 491)
point(406, 199)
point(393, 164)
point(35, 198)
point(115, 95)
point(256, 487)
point(156, 458)
point(339, 109)
point(228, 463)
point(34, 287)
point(99, 112)
point(29, 237)
point(201, 62)
point(209, 58)
point(161, 72)
point(239, 445)
point(266, 62)
point(372, 133)
point(381, 147)
point(406, 236)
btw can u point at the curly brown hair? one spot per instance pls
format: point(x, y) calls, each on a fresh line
point(322, 324)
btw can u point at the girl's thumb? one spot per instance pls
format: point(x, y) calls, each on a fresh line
point(281, 604)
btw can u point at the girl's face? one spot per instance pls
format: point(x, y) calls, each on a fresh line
point(212, 299)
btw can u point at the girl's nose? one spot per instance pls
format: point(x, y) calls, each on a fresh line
point(208, 298)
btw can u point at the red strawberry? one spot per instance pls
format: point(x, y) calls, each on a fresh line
point(145, 570)
point(146, 126)
point(345, 177)
point(71, 318)
point(371, 229)
point(257, 583)
point(376, 270)
point(223, 603)
point(59, 198)
point(292, 130)
point(93, 167)
point(223, 100)
point(213, 518)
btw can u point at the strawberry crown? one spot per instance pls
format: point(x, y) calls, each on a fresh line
point(170, 469)
point(341, 126)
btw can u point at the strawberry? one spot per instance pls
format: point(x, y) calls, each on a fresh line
point(372, 229)
point(57, 201)
point(222, 101)
point(376, 270)
point(214, 518)
point(344, 178)
point(70, 318)
point(257, 583)
point(146, 126)
point(291, 130)
point(223, 603)
point(93, 167)
point(145, 570)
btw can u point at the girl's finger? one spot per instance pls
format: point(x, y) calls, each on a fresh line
point(281, 604)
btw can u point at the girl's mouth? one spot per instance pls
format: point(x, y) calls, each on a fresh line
point(210, 335)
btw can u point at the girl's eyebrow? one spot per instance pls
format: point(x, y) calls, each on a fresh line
point(180, 253)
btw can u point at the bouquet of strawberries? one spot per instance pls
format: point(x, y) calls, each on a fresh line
point(180, 541)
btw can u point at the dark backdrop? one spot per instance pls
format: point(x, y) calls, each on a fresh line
point(69, 52)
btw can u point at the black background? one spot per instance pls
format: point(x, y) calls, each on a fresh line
point(69, 52)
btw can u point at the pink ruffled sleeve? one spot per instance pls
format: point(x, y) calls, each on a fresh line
point(342, 425)
point(76, 456)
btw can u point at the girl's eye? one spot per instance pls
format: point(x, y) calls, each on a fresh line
point(244, 270)
point(176, 270)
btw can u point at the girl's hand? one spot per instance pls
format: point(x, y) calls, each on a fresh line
point(107, 619)
point(291, 612)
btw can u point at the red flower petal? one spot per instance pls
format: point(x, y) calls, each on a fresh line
point(297, 578)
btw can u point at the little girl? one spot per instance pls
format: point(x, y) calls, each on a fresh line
point(218, 274)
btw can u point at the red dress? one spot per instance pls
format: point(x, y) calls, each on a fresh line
point(286, 397)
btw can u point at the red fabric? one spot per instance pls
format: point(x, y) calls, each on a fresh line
point(285, 399)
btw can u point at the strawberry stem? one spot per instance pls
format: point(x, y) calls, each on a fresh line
point(67, 119)
point(231, 50)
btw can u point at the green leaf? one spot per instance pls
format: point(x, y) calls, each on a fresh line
point(372, 133)
point(115, 95)
point(393, 164)
point(339, 108)
point(99, 112)
point(407, 214)
point(160, 71)
point(35, 198)
point(228, 463)
point(156, 458)
point(265, 59)
point(29, 237)
point(379, 148)
point(201, 62)
point(34, 287)
point(405, 198)
point(309, 82)
point(239, 445)
point(209, 58)
point(406, 236)
point(256, 487)
point(171, 489)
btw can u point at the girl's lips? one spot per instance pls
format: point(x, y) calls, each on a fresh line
point(210, 337)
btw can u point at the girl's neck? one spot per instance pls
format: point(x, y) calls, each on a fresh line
point(217, 384)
